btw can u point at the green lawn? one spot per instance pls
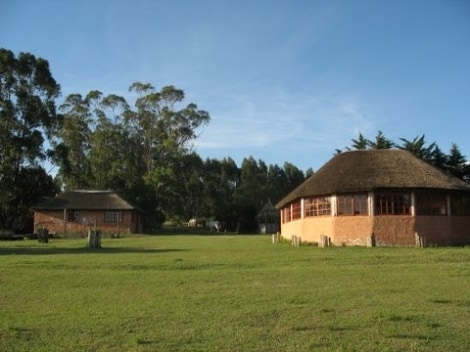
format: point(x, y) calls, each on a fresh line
point(231, 293)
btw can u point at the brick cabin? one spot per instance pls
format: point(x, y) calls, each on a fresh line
point(73, 212)
point(378, 197)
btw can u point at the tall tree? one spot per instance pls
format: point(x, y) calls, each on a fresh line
point(164, 131)
point(75, 137)
point(457, 163)
point(295, 176)
point(27, 120)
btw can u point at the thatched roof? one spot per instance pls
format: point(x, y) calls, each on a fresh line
point(268, 211)
point(367, 170)
point(85, 200)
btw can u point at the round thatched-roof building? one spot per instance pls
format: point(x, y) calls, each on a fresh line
point(378, 197)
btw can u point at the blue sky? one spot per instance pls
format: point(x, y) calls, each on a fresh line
point(282, 80)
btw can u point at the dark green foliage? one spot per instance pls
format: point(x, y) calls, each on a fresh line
point(145, 153)
point(141, 150)
point(27, 120)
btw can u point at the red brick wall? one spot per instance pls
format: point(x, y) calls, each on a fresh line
point(53, 220)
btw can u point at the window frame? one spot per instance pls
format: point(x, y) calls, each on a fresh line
point(392, 203)
point(317, 206)
point(352, 204)
point(113, 216)
point(73, 216)
point(434, 204)
point(296, 209)
point(286, 214)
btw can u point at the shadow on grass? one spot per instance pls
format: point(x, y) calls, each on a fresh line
point(82, 250)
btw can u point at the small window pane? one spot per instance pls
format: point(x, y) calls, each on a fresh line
point(73, 216)
point(392, 204)
point(352, 204)
point(113, 216)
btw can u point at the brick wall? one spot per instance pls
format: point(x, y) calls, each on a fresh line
point(55, 222)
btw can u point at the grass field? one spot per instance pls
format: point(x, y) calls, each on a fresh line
point(231, 293)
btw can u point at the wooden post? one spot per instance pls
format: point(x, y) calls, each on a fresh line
point(323, 241)
point(275, 238)
point(370, 241)
point(94, 238)
point(65, 221)
point(296, 241)
point(419, 241)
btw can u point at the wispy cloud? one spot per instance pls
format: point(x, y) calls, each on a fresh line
point(280, 120)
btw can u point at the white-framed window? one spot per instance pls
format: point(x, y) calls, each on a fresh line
point(317, 206)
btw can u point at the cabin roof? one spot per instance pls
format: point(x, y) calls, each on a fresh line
point(86, 200)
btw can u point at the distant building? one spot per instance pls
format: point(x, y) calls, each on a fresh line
point(268, 219)
point(73, 212)
point(378, 197)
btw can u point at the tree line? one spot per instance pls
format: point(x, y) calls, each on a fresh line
point(142, 149)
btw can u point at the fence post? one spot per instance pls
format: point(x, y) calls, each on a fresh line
point(420, 241)
point(371, 240)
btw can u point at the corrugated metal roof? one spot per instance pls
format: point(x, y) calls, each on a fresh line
point(367, 170)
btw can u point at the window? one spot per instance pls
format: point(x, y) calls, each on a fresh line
point(392, 204)
point(431, 204)
point(113, 216)
point(460, 204)
point(317, 206)
point(286, 214)
point(352, 204)
point(73, 215)
point(296, 210)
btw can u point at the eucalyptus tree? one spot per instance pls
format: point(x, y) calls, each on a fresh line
point(28, 120)
point(277, 183)
point(114, 151)
point(74, 141)
point(253, 176)
point(164, 131)
point(295, 176)
point(182, 195)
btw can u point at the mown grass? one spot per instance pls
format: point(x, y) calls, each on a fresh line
point(231, 293)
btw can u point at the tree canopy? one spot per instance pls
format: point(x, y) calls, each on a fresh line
point(28, 120)
point(141, 147)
